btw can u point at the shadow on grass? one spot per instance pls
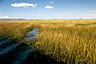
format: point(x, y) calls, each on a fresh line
point(37, 58)
point(82, 24)
point(93, 23)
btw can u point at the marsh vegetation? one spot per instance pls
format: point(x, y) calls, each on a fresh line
point(68, 41)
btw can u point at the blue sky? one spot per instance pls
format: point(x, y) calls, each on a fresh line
point(48, 9)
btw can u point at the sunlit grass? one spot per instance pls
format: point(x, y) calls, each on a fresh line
point(69, 41)
point(13, 30)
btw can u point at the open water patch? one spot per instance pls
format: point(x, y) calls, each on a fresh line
point(32, 34)
point(15, 53)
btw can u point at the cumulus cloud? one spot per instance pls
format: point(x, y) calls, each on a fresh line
point(26, 5)
point(49, 7)
point(52, 2)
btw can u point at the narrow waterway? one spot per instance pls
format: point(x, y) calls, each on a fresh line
point(21, 53)
point(15, 53)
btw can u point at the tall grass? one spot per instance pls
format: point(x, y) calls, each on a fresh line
point(14, 30)
point(69, 41)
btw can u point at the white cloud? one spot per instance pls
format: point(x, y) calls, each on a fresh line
point(49, 7)
point(35, 4)
point(26, 5)
point(52, 2)
point(92, 14)
point(93, 11)
point(5, 17)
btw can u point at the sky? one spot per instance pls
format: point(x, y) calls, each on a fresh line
point(48, 9)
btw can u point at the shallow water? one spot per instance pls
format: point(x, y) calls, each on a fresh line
point(32, 34)
point(21, 53)
point(8, 48)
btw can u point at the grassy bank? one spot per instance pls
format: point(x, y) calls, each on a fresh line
point(69, 41)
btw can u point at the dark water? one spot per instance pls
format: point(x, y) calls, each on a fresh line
point(21, 53)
